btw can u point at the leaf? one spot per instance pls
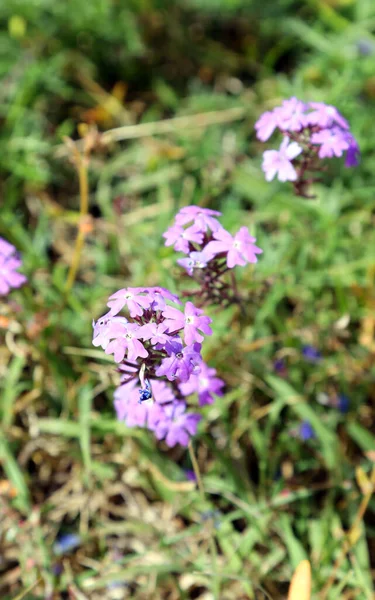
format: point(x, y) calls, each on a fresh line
point(306, 413)
point(295, 549)
point(362, 437)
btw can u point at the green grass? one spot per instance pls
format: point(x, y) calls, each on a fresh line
point(66, 463)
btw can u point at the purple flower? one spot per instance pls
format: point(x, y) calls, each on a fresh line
point(291, 115)
point(266, 125)
point(279, 161)
point(181, 362)
point(191, 321)
point(158, 296)
point(325, 115)
point(182, 238)
point(177, 425)
point(161, 392)
point(9, 263)
point(130, 297)
point(190, 475)
point(66, 542)
point(103, 329)
point(195, 260)
point(343, 403)
point(126, 339)
point(311, 354)
point(352, 154)
point(306, 431)
point(155, 332)
point(140, 414)
point(203, 218)
point(333, 142)
point(205, 384)
point(240, 249)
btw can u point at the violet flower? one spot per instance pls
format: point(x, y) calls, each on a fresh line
point(205, 384)
point(181, 238)
point(306, 431)
point(333, 142)
point(181, 362)
point(291, 115)
point(195, 260)
point(315, 130)
point(177, 425)
point(325, 115)
point(191, 321)
point(132, 298)
point(126, 340)
point(240, 249)
point(9, 265)
point(203, 218)
point(278, 162)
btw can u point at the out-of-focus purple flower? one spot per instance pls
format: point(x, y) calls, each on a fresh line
point(205, 384)
point(181, 363)
point(291, 115)
point(190, 475)
point(325, 115)
point(353, 153)
point(333, 142)
point(195, 260)
point(181, 238)
point(280, 367)
point(9, 265)
point(126, 339)
point(311, 354)
point(343, 403)
point(133, 298)
point(191, 321)
point(306, 431)
point(305, 125)
point(266, 125)
point(65, 543)
point(177, 425)
point(6, 249)
point(366, 47)
point(278, 162)
point(204, 218)
point(133, 412)
point(240, 249)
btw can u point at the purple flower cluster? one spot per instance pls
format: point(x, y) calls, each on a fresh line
point(210, 249)
point(158, 347)
point(312, 130)
point(9, 264)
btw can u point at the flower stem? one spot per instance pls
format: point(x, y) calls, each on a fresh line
point(213, 550)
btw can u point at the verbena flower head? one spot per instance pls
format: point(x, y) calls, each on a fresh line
point(211, 251)
point(158, 348)
point(312, 131)
point(9, 265)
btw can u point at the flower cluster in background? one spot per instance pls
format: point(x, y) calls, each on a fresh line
point(158, 347)
point(312, 131)
point(211, 251)
point(9, 265)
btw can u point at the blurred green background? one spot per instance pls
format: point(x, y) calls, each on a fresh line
point(140, 528)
